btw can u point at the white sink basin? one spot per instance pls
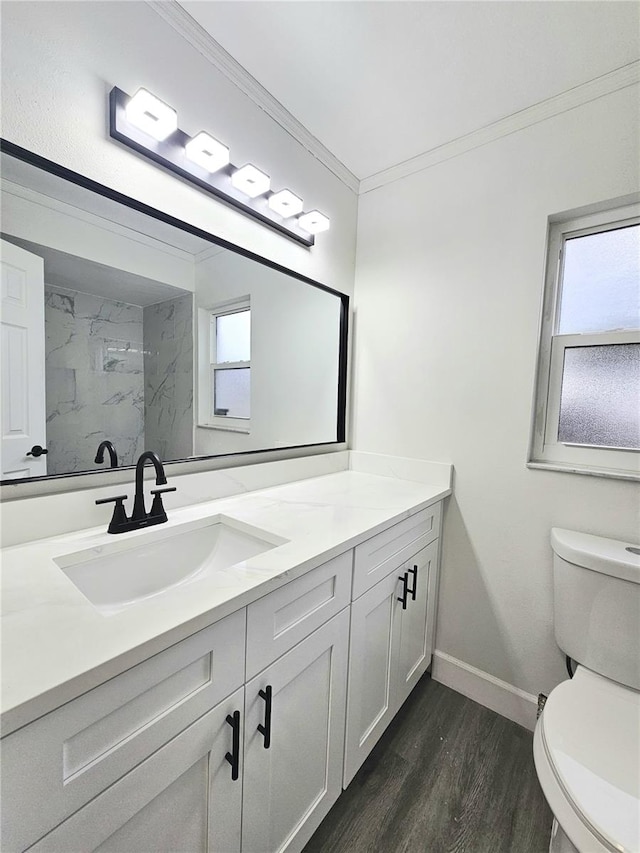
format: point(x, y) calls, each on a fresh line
point(129, 571)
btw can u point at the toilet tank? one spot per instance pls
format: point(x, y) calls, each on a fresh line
point(596, 585)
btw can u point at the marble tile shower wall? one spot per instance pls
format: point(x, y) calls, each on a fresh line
point(94, 379)
point(168, 377)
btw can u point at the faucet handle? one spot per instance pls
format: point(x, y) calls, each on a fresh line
point(157, 509)
point(119, 517)
point(112, 500)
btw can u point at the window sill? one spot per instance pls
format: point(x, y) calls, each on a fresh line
point(609, 473)
point(225, 428)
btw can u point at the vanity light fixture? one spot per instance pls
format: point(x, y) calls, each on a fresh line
point(314, 222)
point(285, 203)
point(251, 181)
point(207, 152)
point(151, 115)
point(147, 125)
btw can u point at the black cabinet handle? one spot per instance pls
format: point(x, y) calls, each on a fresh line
point(266, 694)
point(233, 757)
point(414, 588)
point(36, 451)
point(405, 589)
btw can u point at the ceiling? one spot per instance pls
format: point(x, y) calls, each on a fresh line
point(72, 272)
point(378, 83)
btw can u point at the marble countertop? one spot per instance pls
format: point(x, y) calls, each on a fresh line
point(56, 645)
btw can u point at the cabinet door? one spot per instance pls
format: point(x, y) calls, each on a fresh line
point(375, 627)
point(180, 798)
point(290, 786)
point(415, 625)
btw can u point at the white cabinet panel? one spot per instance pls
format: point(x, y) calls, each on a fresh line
point(182, 798)
point(387, 551)
point(373, 662)
point(414, 654)
point(290, 786)
point(149, 829)
point(282, 618)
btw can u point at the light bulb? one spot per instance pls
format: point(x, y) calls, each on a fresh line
point(314, 222)
point(151, 115)
point(285, 203)
point(251, 181)
point(207, 152)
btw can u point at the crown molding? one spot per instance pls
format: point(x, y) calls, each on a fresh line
point(628, 75)
point(182, 22)
point(178, 18)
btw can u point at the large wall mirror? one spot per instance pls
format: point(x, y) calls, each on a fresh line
point(122, 325)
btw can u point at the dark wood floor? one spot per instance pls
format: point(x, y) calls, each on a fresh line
point(447, 776)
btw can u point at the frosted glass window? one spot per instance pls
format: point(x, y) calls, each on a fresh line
point(600, 397)
point(233, 337)
point(232, 388)
point(601, 282)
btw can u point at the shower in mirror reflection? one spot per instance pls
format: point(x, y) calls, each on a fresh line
point(118, 370)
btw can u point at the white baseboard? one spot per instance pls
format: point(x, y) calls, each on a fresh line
point(503, 698)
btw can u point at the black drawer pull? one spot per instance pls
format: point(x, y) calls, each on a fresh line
point(265, 730)
point(233, 757)
point(405, 589)
point(414, 588)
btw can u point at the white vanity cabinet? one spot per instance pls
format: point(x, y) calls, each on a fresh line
point(147, 760)
point(392, 626)
point(239, 738)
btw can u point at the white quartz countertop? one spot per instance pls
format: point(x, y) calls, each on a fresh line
point(56, 645)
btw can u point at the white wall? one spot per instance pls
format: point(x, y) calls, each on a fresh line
point(449, 274)
point(61, 59)
point(295, 342)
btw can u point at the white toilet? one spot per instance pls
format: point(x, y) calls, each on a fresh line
point(586, 744)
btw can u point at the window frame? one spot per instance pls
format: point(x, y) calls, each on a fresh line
point(207, 327)
point(545, 451)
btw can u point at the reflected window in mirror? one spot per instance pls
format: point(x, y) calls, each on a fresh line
point(230, 368)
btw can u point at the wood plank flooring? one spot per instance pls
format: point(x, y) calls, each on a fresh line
point(448, 776)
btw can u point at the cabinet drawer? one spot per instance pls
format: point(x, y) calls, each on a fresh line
point(281, 619)
point(58, 763)
point(382, 554)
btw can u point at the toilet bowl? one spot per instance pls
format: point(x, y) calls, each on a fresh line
point(587, 756)
point(587, 740)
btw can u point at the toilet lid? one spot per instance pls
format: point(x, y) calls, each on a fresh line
point(591, 733)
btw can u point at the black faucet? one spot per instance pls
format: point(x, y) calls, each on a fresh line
point(139, 511)
point(139, 517)
point(113, 456)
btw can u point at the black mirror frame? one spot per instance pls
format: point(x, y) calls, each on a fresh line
point(39, 162)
